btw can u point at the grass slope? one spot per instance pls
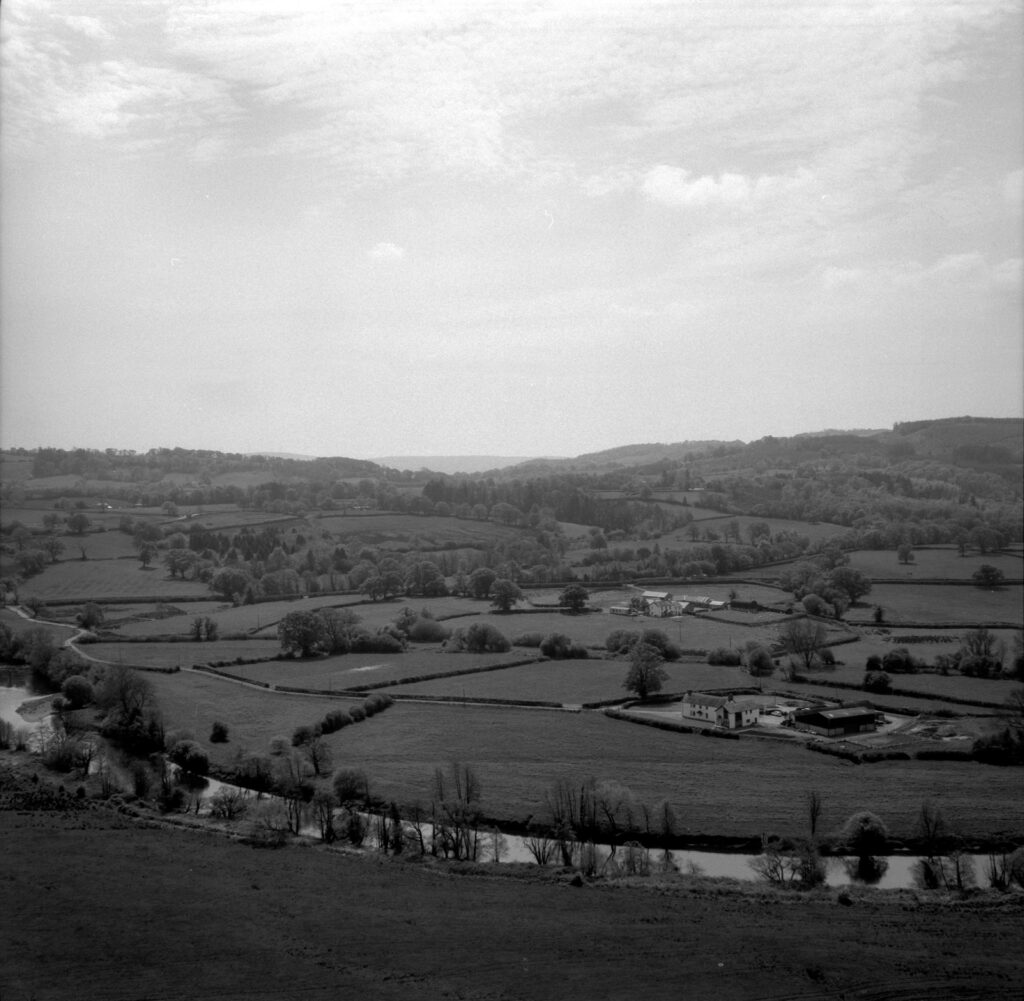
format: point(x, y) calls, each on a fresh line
point(158, 913)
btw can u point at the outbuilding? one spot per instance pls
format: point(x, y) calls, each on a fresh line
point(839, 722)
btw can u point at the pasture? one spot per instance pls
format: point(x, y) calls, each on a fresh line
point(942, 603)
point(232, 620)
point(336, 673)
point(735, 788)
point(953, 686)
point(193, 700)
point(90, 580)
point(432, 532)
point(179, 654)
point(571, 682)
point(931, 563)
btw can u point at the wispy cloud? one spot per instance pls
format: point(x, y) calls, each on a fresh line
point(386, 252)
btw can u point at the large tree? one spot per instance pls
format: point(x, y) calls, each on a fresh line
point(504, 594)
point(803, 638)
point(645, 674)
point(988, 576)
point(301, 632)
point(574, 598)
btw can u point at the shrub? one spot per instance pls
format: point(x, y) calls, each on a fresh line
point(335, 720)
point(218, 733)
point(556, 645)
point(304, 734)
point(427, 630)
point(621, 641)
point(815, 605)
point(527, 639)
point(878, 682)
point(279, 746)
point(383, 642)
point(190, 757)
point(723, 657)
point(77, 691)
point(358, 714)
point(899, 661)
point(482, 637)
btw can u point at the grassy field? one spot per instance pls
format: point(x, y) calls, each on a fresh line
point(372, 668)
point(733, 788)
point(953, 686)
point(571, 682)
point(432, 531)
point(92, 579)
point(192, 700)
point(932, 563)
point(944, 603)
point(163, 655)
point(319, 924)
point(243, 619)
point(716, 521)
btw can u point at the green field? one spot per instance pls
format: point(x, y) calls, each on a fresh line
point(934, 563)
point(164, 655)
point(571, 682)
point(374, 668)
point(89, 580)
point(943, 603)
point(734, 788)
point(520, 753)
point(192, 700)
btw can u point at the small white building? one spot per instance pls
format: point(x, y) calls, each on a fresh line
point(722, 710)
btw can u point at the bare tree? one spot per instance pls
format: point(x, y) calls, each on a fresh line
point(456, 811)
point(814, 806)
point(803, 638)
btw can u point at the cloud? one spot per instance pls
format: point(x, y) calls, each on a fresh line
point(386, 252)
point(671, 186)
point(1013, 190)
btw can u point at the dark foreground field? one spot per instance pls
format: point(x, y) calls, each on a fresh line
point(98, 906)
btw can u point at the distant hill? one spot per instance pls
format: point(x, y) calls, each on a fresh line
point(842, 433)
point(451, 463)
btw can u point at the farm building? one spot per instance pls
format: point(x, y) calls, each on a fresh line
point(839, 722)
point(722, 710)
point(622, 610)
point(659, 604)
point(704, 603)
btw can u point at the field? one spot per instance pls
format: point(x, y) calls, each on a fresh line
point(374, 668)
point(519, 753)
point(942, 603)
point(945, 562)
point(570, 682)
point(165, 655)
point(320, 924)
point(91, 579)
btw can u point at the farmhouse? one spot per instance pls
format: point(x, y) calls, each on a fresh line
point(721, 710)
point(658, 604)
point(839, 722)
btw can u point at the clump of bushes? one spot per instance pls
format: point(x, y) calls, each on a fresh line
point(218, 733)
point(528, 639)
point(621, 641)
point(481, 637)
point(558, 646)
point(878, 682)
point(384, 641)
point(724, 657)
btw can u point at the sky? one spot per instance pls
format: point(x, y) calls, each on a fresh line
point(517, 228)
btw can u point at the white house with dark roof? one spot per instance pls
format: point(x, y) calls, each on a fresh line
point(722, 710)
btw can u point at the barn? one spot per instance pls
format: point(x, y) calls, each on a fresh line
point(841, 722)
